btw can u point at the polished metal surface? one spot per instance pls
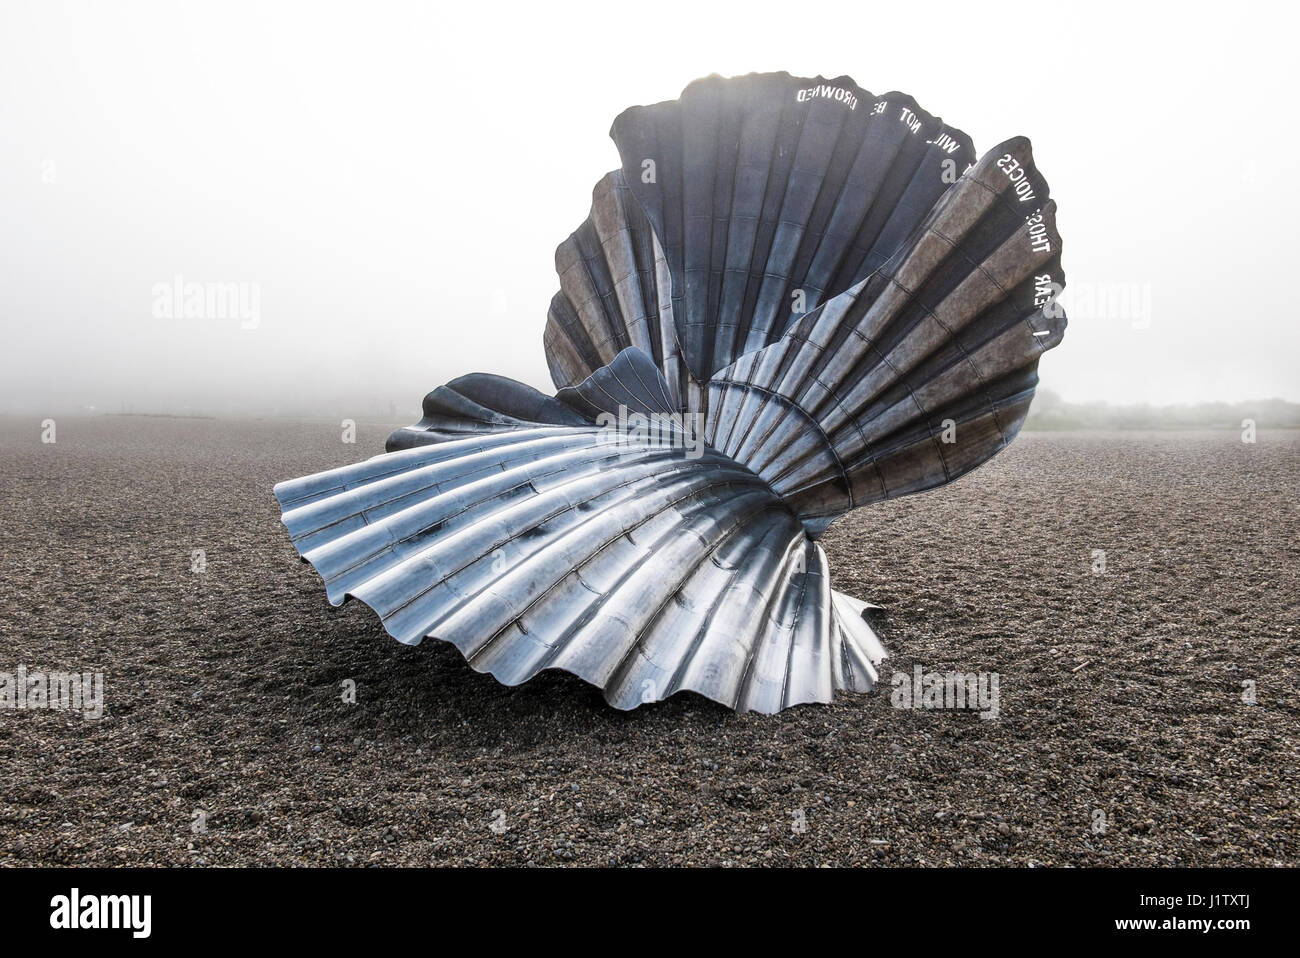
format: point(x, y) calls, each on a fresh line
point(793, 299)
point(633, 567)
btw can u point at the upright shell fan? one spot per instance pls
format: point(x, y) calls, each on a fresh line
point(792, 299)
point(729, 201)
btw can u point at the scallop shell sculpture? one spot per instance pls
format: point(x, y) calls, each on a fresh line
point(792, 299)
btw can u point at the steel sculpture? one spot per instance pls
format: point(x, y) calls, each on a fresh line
point(793, 298)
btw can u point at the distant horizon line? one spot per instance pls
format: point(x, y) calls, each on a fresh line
point(1045, 402)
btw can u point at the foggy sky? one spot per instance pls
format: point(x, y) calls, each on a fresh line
point(392, 181)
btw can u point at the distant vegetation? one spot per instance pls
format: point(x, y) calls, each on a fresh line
point(1051, 412)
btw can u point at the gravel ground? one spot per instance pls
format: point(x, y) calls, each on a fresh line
point(226, 741)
